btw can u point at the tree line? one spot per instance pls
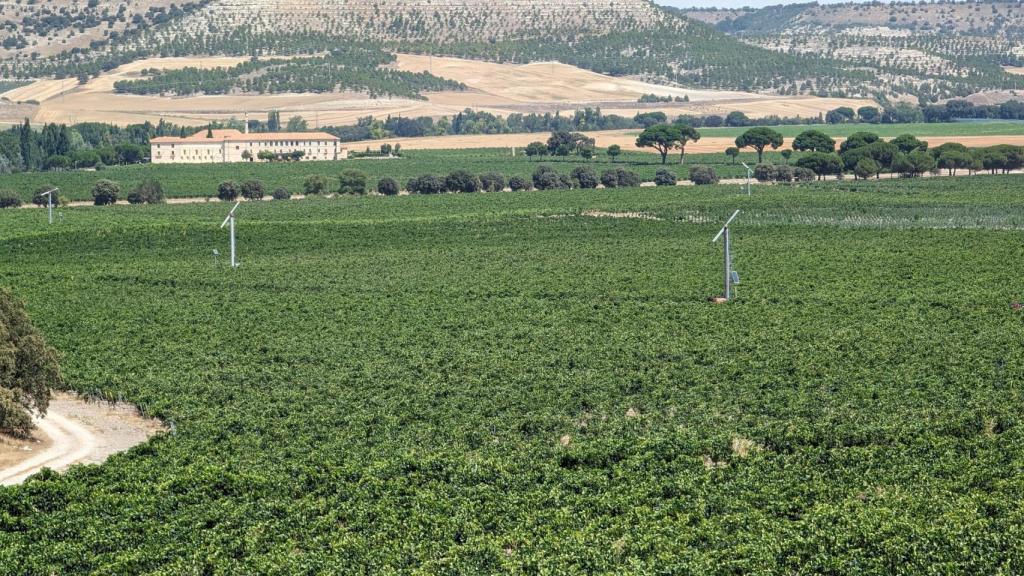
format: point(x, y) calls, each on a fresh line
point(350, 68)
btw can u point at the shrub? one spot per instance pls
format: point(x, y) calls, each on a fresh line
point(428, 184)
point(518, 183)
point(39, 200)
point(315, 184)
point(619, 178)
point(665, 177)
point(764, 172)
point(866, 168)
point(253, 190)
point(547, 181)
point(801, 174)
point(545, 178)
point(9, 200)
point(783, 173)
point(352, 182)
point(281, 194)
point(228, 191)
point(627, 178)
point(148, 192)
point(610, 178)
point(821, 163)
point(387, 187)
point(105, 192)
point(492, 182)
point(584, 177)
point(703, 175)
point(462, 181)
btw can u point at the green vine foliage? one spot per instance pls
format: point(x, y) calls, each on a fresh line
point(498, 383)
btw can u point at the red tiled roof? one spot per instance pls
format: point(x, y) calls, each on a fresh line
point(237, 136)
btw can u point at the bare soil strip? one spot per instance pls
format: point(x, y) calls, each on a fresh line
point(74, 432)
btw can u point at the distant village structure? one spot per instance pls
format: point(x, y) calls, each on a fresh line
point(210, 146)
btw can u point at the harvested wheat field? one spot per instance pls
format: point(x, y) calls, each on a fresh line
point(500, 89)
point(547, 81)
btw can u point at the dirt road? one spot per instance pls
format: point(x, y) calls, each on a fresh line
point(74, 431)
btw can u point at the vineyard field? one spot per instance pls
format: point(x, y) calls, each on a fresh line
point(505, 383)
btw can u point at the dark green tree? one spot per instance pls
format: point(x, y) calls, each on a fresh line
point(28, 368)
point(687, 134)
point(814, 141)
point(732, 152)
point(759, 138)
point(105, 192)
point(352, 182)
point(614, 151)
point(663, 138)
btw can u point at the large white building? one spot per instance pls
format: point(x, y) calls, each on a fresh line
point(208, 146)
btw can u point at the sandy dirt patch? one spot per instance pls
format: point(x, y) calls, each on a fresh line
point(74, 432)
point(1019, 70)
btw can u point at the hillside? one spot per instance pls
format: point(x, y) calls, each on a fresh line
point(348, 43)
point(629, 37)
point(930, 50)
point(406, 20)
point(45, 29)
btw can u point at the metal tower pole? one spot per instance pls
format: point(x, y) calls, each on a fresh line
point(49, 205)
point(728, 266)
point(234, 263)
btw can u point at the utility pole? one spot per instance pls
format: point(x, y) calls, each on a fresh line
point(728, 278)
point(231, 220)
point(49, 201)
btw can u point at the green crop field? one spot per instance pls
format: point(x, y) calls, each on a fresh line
point(496, 383)
point(183, 180)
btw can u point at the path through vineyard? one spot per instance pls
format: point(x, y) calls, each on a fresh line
point(73, 432)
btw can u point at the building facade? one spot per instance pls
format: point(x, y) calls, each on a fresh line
point(206, 147)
